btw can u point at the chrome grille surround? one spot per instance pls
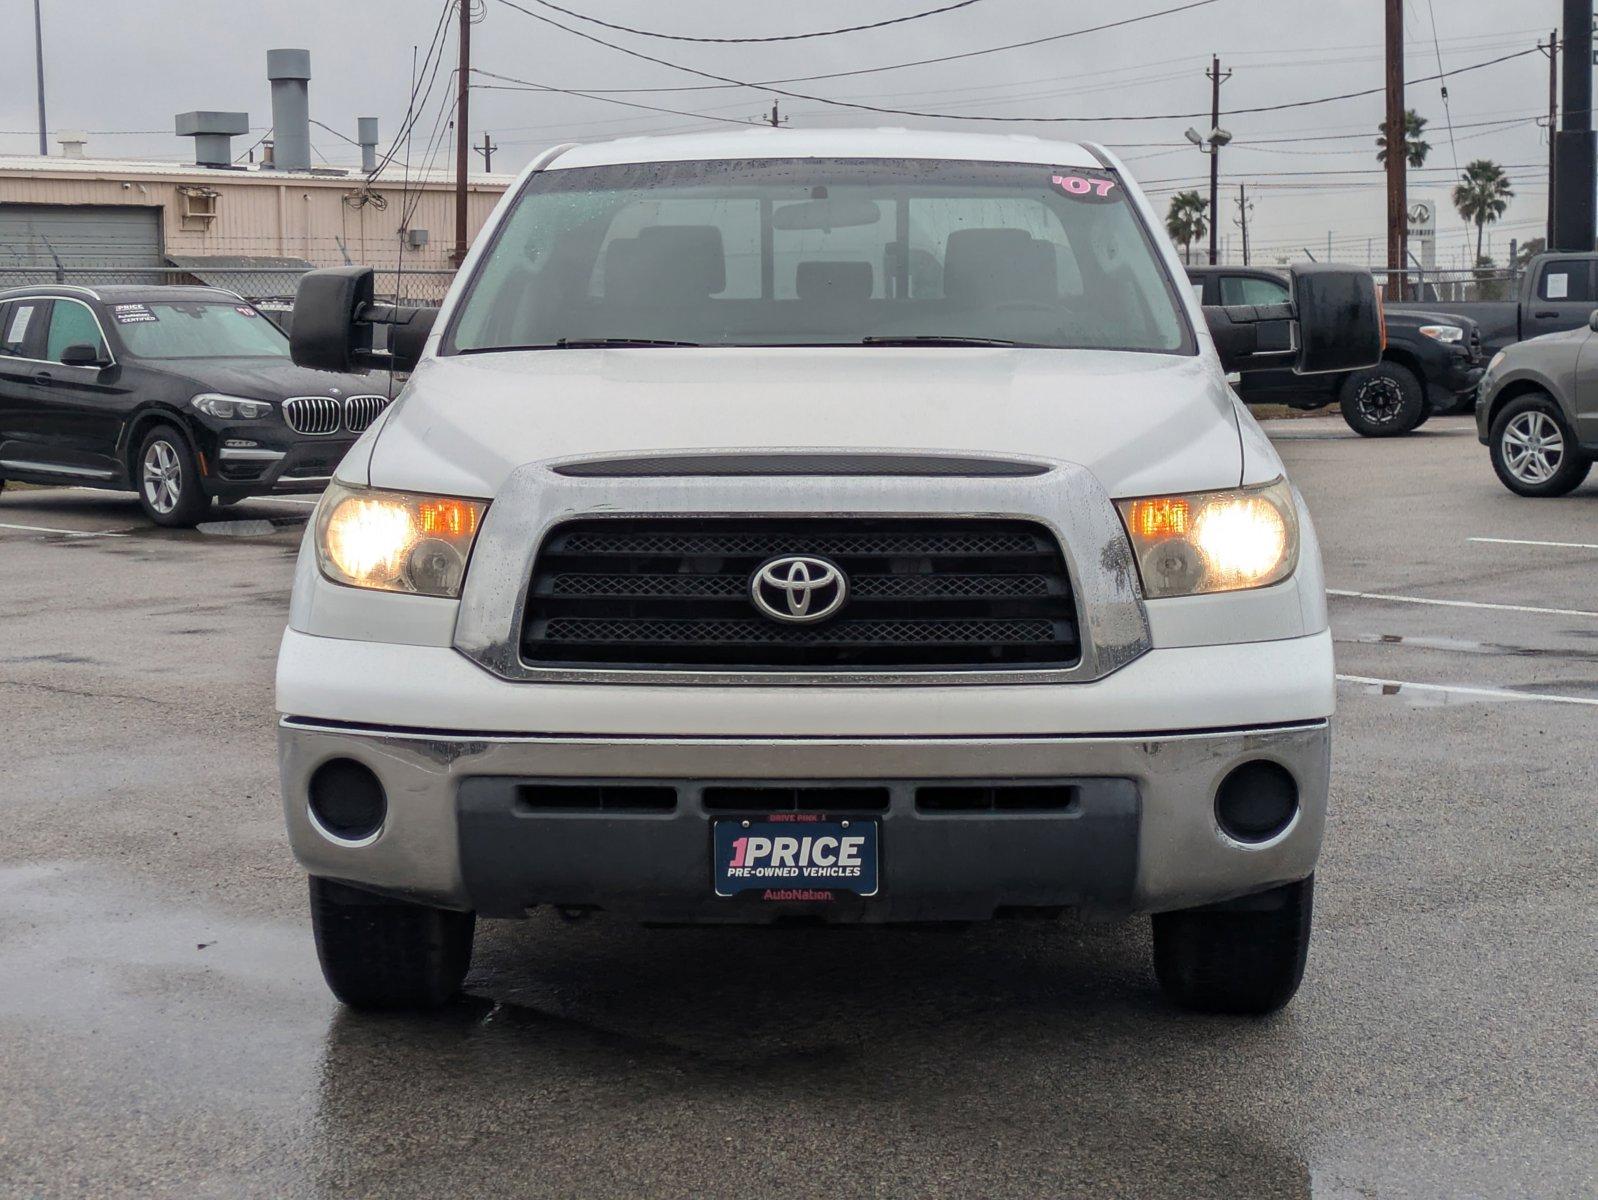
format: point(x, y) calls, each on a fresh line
point(1067, 500)
point(314, 416)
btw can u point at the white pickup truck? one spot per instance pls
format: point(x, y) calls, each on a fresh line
point(824, 526)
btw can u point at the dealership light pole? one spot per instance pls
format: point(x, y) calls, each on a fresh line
point(38, 58)
point(1575, 217)
point(463, 137)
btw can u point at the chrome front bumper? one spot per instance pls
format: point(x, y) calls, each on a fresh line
point(1160, 848)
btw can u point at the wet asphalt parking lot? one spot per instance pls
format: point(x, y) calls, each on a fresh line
point(164, 1029)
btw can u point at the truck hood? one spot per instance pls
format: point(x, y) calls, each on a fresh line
point(1142, 423)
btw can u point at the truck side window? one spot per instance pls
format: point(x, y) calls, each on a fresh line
point(72, 324)
point(1246, 289)
point(1567, 279)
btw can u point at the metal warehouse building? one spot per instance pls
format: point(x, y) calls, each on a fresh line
point(249, 229)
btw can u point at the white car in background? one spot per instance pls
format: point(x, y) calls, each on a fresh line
point(825, 526)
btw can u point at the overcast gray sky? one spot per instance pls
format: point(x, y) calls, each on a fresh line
point(117, 66)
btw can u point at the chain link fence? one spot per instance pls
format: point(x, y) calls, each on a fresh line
point(271, 287)
point(1418, 286)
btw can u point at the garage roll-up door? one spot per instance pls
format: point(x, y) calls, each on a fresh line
point(80, 236)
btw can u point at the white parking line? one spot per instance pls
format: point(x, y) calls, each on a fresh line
point(1523, 542)
point(1458, 690)
point(1522, 608)
point(281, 500)
point(67, 532)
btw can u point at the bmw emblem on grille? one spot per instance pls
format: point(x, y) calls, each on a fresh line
point(799, 589)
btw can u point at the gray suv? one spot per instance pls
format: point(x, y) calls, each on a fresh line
point(1538, 412)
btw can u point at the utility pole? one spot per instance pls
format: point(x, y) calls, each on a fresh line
point(1552, 50)
point(775, 118)
point(1216, 79)
point(38, 59)
point(1574, 211)
point(1397, 201)
point(487, 151)
point(463, 137)
point(1243, 207)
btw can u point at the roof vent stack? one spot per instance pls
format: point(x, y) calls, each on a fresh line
point(213, 134)
point(366, 135)
point(290, 73)
point(72, 143)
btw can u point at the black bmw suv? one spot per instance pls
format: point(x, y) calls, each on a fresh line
point(183, 394)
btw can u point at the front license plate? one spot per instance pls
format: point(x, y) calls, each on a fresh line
point(796, 855)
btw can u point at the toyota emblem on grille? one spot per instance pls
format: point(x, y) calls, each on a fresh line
point(799, 589)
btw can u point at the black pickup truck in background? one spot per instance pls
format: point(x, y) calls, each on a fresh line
point(1431, 363)
point(1557, 292)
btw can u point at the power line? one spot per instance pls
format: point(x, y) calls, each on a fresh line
point(905, 112)
point(528, 85)
point(787, 37)
point(722, 81)
point(1447, 115)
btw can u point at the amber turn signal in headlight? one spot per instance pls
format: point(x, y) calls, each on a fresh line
point(1213, 541)
point(396, 541)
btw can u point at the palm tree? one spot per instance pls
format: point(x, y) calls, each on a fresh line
point(1185, 222)
point(1415, 150)
point(1482, 195)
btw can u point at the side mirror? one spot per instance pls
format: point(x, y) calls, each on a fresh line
point(335, 321)
point(1333, 323)
point(1592, 321)
point(81, 354)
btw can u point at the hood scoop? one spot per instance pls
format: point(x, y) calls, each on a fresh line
point(733, 463)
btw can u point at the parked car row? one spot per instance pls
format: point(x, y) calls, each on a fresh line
point(185, 395)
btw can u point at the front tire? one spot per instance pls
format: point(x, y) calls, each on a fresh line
point(1386, 400)
point(1243, 956)
point(1534, 451)
point(385, 954)
point(168, 478)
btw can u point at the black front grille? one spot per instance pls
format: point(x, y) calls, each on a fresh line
point(924, 594)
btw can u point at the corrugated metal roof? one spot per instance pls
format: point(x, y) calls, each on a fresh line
point(391, 177)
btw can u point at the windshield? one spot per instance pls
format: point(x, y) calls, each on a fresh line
point(822, 252)
point(204, 329)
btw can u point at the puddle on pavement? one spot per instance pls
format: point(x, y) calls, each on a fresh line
point(251, 528)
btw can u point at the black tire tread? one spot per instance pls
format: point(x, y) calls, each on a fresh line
point(1414, 410)
point(380, 953)
point(1245, 957)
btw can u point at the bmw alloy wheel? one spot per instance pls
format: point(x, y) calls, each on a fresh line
point(163, 477)
point(1380, 401)
point(1533, 447)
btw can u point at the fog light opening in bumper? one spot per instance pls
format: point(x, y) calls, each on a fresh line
point(347, 802)
point(1256, 802)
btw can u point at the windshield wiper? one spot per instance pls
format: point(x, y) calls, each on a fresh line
point(602, 342)
point(936, 339)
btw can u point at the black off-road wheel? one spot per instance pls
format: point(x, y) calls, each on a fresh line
point(1244, 956)
point(168, 478)
point(1383, 401)
point(1534, 450)
point(379, 953)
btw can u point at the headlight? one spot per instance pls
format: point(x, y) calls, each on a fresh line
point(230, 408)
point(396, 541)
point(1443, 333)
point(1213, 541)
